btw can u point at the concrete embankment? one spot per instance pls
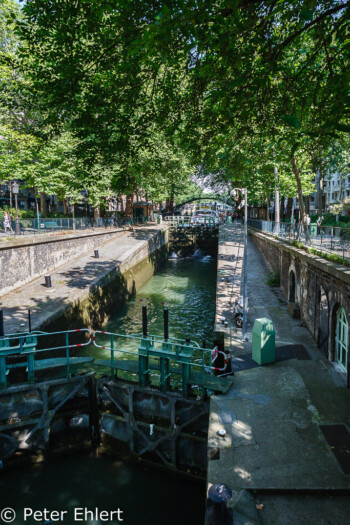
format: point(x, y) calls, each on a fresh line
point(276, 417)
point(87, 290)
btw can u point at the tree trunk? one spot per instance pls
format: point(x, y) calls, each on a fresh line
point(296, 173)
point(43, 207)
point(268, 207)
point(307, 204)
point(320, 195)
point(129, 205)
point(73, 215)
point(171, 202)
point(10, 188)
point(65, 206)
point(277, 198)
point(97, 212)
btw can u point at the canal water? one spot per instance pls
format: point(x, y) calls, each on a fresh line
point(146, 496)
point(188, 287)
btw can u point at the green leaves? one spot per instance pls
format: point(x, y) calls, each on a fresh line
point(291, 121)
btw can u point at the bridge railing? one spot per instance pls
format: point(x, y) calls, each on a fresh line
point(178, 221)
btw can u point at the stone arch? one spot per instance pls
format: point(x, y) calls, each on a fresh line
point(323, 320)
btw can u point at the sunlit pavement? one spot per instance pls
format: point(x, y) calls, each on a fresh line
point(272, 415)
point(71, 281)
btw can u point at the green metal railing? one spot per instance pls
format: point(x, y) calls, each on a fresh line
point(175, 362)
point(21, 350)
point(171, 358)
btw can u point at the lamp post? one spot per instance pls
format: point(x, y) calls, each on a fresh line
point(15, 188)
point(245, 266)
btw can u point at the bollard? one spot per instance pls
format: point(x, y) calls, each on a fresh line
point(166, 321)
point(144, 318)
point(48, 281)
point(29, 322)
point(97, 255)
point(2, 333)
point(218, 513)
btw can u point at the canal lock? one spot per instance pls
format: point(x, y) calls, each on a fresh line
point(59, 416)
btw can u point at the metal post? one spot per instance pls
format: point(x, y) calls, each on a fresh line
point(166, 322)
point(245, 278)
point(2, 332)
point(144, 318)
point(29, 322)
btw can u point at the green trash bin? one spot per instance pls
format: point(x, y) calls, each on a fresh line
point(313, 228)
point(263, 342)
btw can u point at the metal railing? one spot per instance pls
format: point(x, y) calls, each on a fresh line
point(186, 221)
point(35, 227)
point(170, 358)
point(182, 361)
point(21, 350)
point(327, 239)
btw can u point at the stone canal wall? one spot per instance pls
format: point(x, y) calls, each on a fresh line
point(24, 259)
point(95, 304)
point(86, 290)
point(314, 287)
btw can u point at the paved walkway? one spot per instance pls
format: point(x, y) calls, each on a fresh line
point(272, 415)
point(72, 281)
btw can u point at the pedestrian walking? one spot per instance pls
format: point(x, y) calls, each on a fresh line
point(7, 222)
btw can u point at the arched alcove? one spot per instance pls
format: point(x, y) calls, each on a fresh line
point(323, 321)
point(291, 295)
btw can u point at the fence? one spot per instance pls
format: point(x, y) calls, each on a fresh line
point(326, 239)
point(35, 352)
point(187, 221)
point(35, 227)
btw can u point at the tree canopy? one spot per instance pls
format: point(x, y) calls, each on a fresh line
point(148, 90)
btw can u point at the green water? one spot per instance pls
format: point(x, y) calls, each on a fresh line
point(146, 496)
point(188, 287)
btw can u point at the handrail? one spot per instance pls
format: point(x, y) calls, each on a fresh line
point(328, 239)
point(27, 347)
point(21, 336)
point(172, 353)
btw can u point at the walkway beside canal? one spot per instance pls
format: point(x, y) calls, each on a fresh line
point(273, 414)
point(73, 282)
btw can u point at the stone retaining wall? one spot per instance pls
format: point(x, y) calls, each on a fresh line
point(321, 287)
point(97, 303)
point(23, 260)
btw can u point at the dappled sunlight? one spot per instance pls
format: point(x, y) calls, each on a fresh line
point(242, 473)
